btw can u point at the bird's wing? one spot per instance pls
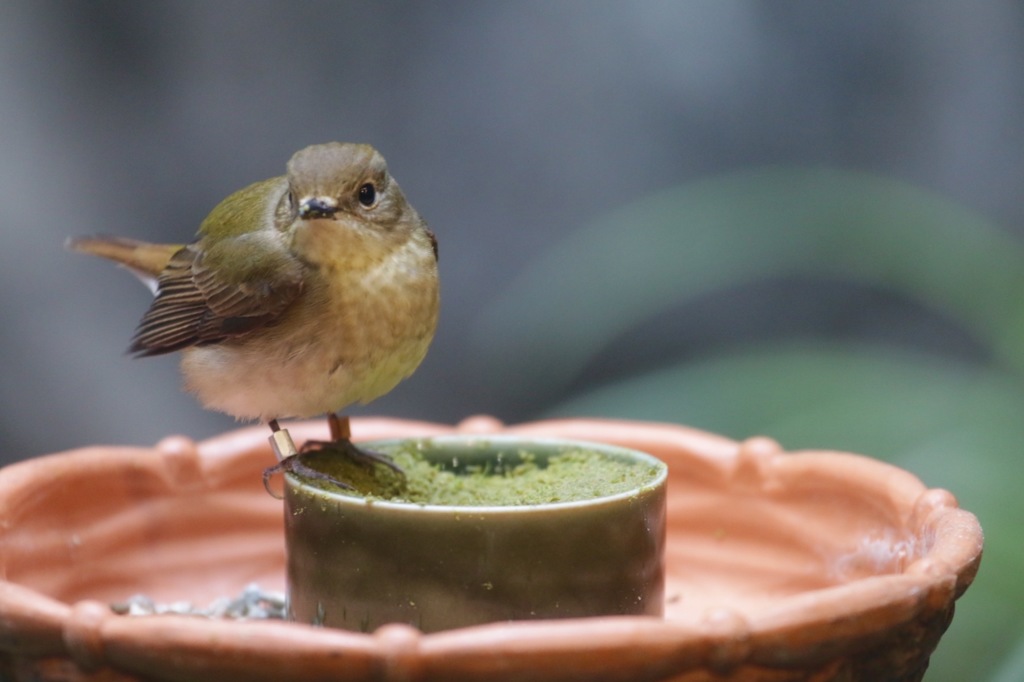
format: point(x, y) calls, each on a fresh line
point(212, 292)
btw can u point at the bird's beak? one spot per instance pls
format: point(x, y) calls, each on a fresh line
point(317, 207)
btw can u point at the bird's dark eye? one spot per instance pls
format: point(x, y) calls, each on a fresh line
point(368, 195)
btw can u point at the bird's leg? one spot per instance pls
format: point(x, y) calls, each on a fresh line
point(341, 443)
point(284, 448)
point(341, 427)
point(281, 441)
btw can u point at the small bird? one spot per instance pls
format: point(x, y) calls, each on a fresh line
point(300, 295)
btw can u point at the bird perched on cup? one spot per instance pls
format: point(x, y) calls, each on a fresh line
point(300, 295)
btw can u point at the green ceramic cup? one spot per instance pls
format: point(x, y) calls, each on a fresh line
point(357, 564)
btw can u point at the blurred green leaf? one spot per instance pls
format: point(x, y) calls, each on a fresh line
point(871, 399)
point(682, 243)
point(1012, 669)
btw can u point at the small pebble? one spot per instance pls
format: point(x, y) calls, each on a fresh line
point(253, 604)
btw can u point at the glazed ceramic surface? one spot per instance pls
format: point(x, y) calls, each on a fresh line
point(359, 564)
point(779, 566)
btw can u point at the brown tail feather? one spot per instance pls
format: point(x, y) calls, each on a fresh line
point(142, 258)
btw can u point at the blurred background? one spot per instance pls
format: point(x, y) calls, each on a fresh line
point(798, 219)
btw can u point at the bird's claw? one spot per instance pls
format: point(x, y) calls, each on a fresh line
point(295, 465)
point(346, 448)
point(343, 447)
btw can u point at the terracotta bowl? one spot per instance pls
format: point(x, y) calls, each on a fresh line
point(807, 566)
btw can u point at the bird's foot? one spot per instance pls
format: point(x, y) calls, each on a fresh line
point(346, 448)
point(295, 465)
point(337, 462)
point(342, 465)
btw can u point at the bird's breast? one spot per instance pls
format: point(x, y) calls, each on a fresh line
point(361, 325)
